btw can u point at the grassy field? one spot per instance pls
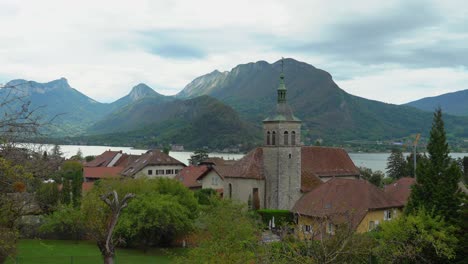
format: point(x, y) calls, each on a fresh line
point(64, 252)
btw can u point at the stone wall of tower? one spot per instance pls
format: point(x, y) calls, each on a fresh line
point(282, 166)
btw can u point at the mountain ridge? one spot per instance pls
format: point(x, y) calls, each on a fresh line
point(455, 103)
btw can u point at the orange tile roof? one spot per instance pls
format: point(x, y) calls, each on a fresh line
point(338, 197)
point(189, 175)
point(401, 189)
point(101, 172)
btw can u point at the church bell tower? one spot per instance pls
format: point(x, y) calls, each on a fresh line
point(282, 153)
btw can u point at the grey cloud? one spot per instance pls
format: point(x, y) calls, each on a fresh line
point(373, 40)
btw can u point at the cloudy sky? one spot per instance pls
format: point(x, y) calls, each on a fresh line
point(392, 51)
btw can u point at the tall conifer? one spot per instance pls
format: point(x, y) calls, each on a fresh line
point(437, 177)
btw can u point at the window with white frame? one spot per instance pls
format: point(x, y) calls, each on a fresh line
point(169, 172)
point(388, 215)
point(371, 225)
point(330, 228)
point(308, 228)
point(150, 172)
point(159, 172)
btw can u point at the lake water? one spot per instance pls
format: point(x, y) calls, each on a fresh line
point(374, 161)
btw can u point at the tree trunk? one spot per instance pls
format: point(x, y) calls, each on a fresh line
point(109, 260)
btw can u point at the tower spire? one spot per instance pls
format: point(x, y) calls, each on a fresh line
point(282, 86)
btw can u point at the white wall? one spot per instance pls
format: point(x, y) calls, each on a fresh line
point(144, 171)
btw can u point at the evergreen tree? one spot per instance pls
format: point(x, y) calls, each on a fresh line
point(56, 152)
point(465, 169)
point(437, 177)
point(396, 164)
point(198, 156)
point(410, 163)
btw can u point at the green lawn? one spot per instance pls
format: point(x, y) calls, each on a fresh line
point(64, 251)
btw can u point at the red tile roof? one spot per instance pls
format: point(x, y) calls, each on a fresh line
point(189, 175)
point(338, 197)
point(327, 162)
point(218, 161)
point(103, 159)
point(250, 166)
point(126, 160)
point(401, 189)
point(150, 158)
point(101, 172)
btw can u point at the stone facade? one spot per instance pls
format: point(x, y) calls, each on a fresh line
point(282, 165)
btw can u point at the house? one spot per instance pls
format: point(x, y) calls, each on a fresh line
point(356, 202)
point(152, 164)
point(107, 165)
point(401, 189)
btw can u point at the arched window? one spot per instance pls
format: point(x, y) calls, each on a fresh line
point(286, 137)
point(230, 191)
point(268, 138)
point(273, 138)
point(293, 138)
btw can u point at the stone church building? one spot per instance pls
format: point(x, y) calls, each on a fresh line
point(277, 174)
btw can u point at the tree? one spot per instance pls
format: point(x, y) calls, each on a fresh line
point(226, 233)
point(465, 169)
point(106, 242)
point(410, 163)
point(67, 220)
point(56, 152)
point(14, 182)
point(71, 177)
point(48, 196)
point(198, 156)
point(166, 149)
point(163, 210)
point(154, 219)
point(420, 237)
point(396, 164)
point(18, 121)
point(374, 177)
point(78, 156)
point(437, 177)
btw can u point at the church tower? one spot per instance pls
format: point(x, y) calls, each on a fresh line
point(282, 153)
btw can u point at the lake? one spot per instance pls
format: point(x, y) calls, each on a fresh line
point(374, 161)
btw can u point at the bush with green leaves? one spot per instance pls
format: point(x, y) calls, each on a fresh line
point(422, 237)
point(226, 233)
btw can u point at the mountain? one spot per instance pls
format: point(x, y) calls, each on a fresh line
point(138, 92)
point(455, 103)
point(68, 110)
point(326, 110)
point(198, 122)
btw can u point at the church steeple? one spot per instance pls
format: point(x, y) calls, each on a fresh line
point(282, 89)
